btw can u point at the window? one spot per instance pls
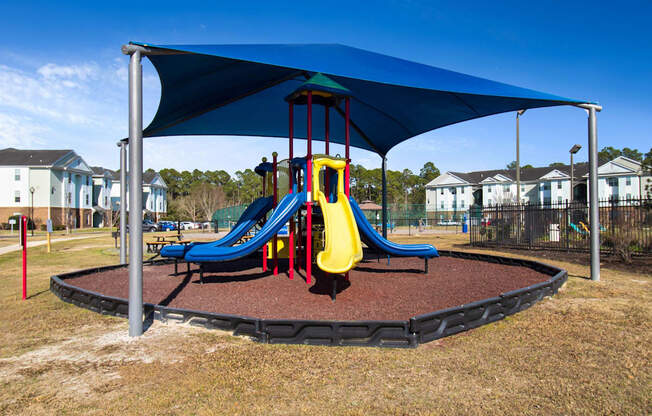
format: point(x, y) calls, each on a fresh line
point(505, 188)
point(628, 181)
point(17, 196)
point(522, 188)
point(441, 192)
point(69, 178)
point(612, 182)
point(558, 184)
point(462, 190)
point(559, 200)
point(442, 204)
point(106, 202)
point(453, 191)
point(462, 204)
point(489, 202)
point(86, 180)
point(489, 190)
point(86, 199)
point(454, 204)
point(629, 196)
point(17, 175)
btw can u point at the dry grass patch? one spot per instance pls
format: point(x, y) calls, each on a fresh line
point(585, 351)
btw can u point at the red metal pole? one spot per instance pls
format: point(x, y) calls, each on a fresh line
point(291, 181)
point(347, 145)
point(275, 239)
point(326, 140)
point(23, 238)
point(346, 152)
point(265, 245)
point(300, 222)
point(308, 181)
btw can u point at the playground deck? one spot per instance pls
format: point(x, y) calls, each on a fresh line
point(376, 291)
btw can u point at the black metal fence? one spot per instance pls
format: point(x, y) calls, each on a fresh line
point(625, 226)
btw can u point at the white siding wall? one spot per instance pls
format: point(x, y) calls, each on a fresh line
point(10, 186)
point(449, 198)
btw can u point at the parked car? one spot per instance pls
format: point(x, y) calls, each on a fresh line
point(167, 226)
point(187, 225)
point(148, 226)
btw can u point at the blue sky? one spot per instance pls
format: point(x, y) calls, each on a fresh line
point(63, 78)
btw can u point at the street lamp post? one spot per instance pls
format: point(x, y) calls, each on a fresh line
point(519, 113)
point(576, 148)
point(31, 211)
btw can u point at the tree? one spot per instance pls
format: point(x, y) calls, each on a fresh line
point(210, 198)
point(189, 207)
point(556, 165)
point(512, 165)
point(647, 171)
point(632, 154)
point(428, 172)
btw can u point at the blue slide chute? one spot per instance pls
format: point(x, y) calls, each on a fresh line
point(374, 240)
point(250, 217)
point(213, 252)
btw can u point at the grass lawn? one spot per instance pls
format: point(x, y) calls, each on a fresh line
point(586, 351)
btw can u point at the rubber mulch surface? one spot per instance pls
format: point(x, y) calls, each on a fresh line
point(375, 290)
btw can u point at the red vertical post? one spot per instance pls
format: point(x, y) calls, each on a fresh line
point(347, 145)
point(23, 241)
point(275, 184)
point(347, 124)
point(326, 140)
point(291, 181)
point(300, 221)
point(265, 245)
point(308, 182)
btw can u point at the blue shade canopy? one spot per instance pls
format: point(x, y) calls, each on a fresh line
point(240, 90)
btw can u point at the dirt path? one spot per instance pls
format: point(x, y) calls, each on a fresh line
point(16, 247)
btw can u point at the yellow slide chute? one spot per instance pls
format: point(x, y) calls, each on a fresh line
point(343, 248)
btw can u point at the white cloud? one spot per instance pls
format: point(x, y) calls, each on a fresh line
point(82, 72)
point(19, 131)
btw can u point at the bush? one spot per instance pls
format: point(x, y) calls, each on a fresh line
point(623, 245)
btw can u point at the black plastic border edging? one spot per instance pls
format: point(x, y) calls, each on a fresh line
point(417, 330)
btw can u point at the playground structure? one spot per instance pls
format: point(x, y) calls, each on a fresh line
point(236, 90)
point(328, 234)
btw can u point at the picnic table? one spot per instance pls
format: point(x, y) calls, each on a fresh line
point(164, 240)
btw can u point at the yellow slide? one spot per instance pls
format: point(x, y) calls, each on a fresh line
point(343, 248)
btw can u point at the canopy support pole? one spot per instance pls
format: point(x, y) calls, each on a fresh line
point(594, 208)
point(135, 194)
point(384, 197)
point(123, 201)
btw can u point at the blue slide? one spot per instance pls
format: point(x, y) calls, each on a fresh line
point(250, 217)
point(374, 240)
point(211, 252)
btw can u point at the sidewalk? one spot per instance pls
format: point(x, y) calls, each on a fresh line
point(16, 247)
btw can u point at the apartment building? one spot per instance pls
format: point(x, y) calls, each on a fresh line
point(55, 184)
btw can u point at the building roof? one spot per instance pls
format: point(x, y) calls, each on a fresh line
point(149, 176)
point(18, 157)
point(101, 171)
point(527, 174)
